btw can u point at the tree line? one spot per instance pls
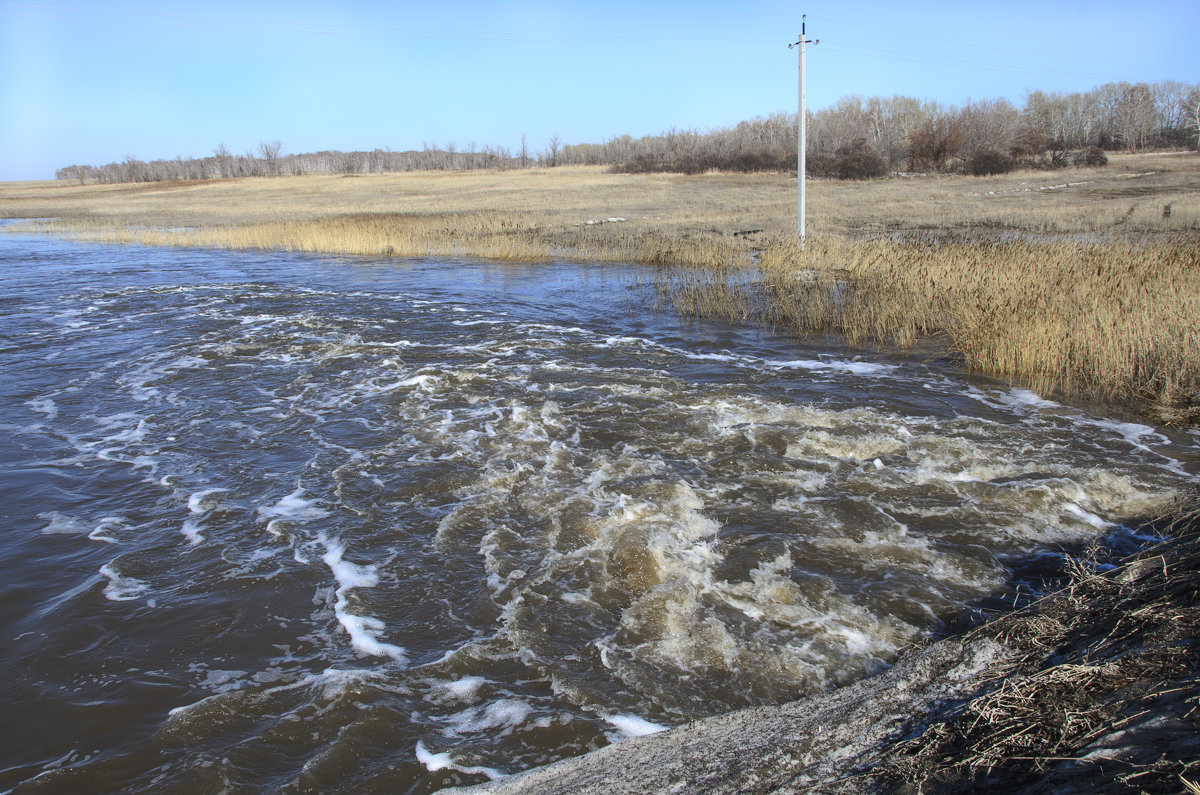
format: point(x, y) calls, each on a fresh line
point(852, 139)
point(268, 160)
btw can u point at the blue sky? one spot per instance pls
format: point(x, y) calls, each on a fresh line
point(93, 83)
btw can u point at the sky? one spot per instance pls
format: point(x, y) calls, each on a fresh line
point(93, 83)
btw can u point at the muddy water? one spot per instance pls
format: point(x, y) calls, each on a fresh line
point(284, 523)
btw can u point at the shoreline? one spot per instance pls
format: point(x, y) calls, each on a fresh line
point(1093, 688)
point(1083, 283)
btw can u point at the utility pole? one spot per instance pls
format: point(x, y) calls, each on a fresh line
point(801, 143)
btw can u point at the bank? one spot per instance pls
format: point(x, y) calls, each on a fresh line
point(1095, 688)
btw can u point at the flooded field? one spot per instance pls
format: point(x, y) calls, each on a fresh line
point(303, 523)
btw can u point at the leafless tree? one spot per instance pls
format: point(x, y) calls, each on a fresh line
point(989, 125)
point(935, 142)
point(224, 160)
point(270, 155)
point(1192, 106)
point(1050, 129)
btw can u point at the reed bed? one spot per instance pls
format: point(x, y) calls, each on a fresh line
point(1115, 321)
point(1080, 281)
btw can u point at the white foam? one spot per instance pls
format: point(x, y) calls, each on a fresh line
point(332, 682)
point(121, 588)
point(850, 366)
point(364, 631)
point(43, 406)
point(633, 726)
point(496, 717)
point(198, 502)
point(335, 682)
point(443, 761)
point(220, 681)
point(59, 523)
point(423, 381)
point(294, 507)
point(191, 531)
point(833, 365)
point(1133, 433)
point(464, 689)
point(1021, 398)
point(106, 524)
point(1086, 516)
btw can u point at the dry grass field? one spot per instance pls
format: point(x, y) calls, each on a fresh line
point(1079, 281)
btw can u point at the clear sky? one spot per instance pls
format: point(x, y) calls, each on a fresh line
point(92, 83)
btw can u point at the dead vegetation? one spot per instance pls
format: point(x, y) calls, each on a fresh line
point(1101, 695)
point(1115, 321)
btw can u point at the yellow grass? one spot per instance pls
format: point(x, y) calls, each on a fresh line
point(1085, 281)
point(521, 215)
point(1117, 320)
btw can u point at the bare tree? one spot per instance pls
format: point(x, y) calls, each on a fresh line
point(1135, 116)
point(270, 154)
point(224, 160)
point(1192, 104)
point(1050, 129)
point(989, 125)
point(936, 141)
point(80, 173)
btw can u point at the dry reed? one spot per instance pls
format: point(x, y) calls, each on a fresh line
point(1099, 692)
point(1116, 321)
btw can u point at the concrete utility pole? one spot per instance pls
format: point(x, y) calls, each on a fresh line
point(801, 143)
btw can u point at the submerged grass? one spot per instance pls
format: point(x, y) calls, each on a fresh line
point(1082, 281)
point(1114, 321)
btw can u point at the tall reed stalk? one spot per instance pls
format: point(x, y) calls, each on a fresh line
point(1113, 321)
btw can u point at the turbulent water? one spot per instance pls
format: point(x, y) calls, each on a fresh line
point(289, 523)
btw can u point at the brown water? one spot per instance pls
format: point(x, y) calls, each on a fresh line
point(285, 523)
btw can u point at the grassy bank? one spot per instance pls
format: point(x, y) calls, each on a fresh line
point(1084, 281)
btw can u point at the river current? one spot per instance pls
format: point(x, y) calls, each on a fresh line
point(276, 522)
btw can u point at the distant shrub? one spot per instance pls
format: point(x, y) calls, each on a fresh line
point(763, 160)
point(820, 164)
point(989, 161)
point(749, 161)
point(1092, 156)
point(1058, 158)
point(858, 161)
